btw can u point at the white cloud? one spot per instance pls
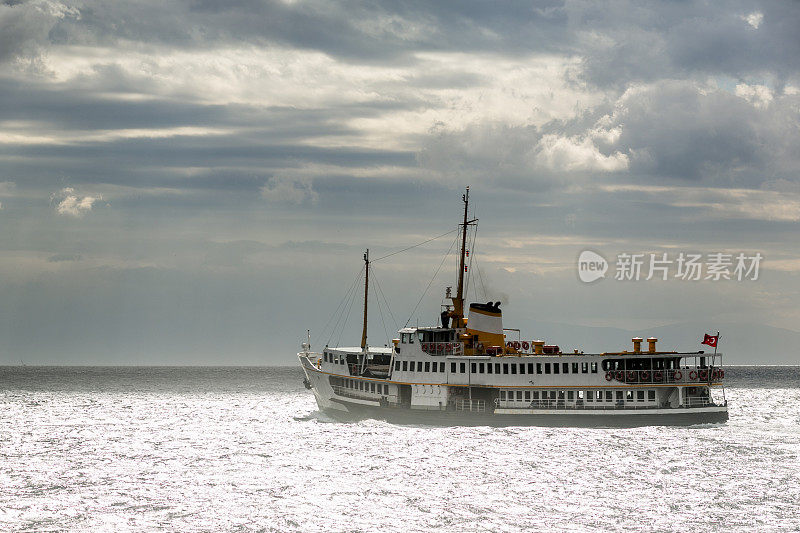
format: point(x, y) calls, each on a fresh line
point(754, 19)
point(758, 95)
point(29, 134)
point(579, 153)
point(71, 204)
point(287, 190)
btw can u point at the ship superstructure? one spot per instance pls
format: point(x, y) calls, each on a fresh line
point(469, 369)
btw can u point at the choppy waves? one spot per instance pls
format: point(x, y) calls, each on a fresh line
point(234, 449)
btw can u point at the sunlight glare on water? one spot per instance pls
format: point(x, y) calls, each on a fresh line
point(211, 449)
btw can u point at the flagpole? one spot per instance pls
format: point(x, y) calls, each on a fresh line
point(713, 362)
point(715, 348)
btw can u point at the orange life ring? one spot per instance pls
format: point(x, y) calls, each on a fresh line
point(609, 376)
point(678, 375)
point(693, 375)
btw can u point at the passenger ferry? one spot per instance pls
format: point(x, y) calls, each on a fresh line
point(468, 369)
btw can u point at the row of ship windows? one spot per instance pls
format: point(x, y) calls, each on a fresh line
point(587, 396)
point(359, 385)
point(332, 358)
point(498, 368)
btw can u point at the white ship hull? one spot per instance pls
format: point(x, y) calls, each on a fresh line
point(346, 407)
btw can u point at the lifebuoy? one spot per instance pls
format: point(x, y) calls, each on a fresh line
point(424, 347)
point(620, 375)
point(658, 376)
point(703, 375)
point(517, 345)
point(509, 344)
point(645, 375)
point(525, 345)
point(678, 375)
point(693, 375)
point(631, 375)
point(714, 375)
point(609, 376)
point(721, 373)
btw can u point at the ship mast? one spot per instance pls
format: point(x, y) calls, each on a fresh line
point(366, 287)
point(458, 300)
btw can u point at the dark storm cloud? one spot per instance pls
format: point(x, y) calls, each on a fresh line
point(78, 108)
point(362, 31)
point(25, 27)
point(618, 41)
point(644, 41)
point(674, 129)
point(208, 152)
point(679, 130)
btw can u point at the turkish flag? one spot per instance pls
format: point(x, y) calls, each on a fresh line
point(711, 340)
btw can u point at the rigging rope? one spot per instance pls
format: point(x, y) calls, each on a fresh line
point(480, 278)
point(336, 312)
point(380, 310)
point(416, 245)
point(349, 297)
point(471, 241)
point(344, 324)
point(431, 281)
point(388, 307)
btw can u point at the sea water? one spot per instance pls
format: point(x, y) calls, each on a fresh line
point(245, 449)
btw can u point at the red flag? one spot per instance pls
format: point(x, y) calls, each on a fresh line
point(711, 340)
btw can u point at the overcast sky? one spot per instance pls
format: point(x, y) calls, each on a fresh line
point(195, 181)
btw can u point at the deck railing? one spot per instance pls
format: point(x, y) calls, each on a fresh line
point(602, 406)
point(476, 406)
point(361, 395)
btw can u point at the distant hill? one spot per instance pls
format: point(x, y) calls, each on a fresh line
point(754, 344)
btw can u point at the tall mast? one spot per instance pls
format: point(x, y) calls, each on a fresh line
point(458, 301)
point(366, 287)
